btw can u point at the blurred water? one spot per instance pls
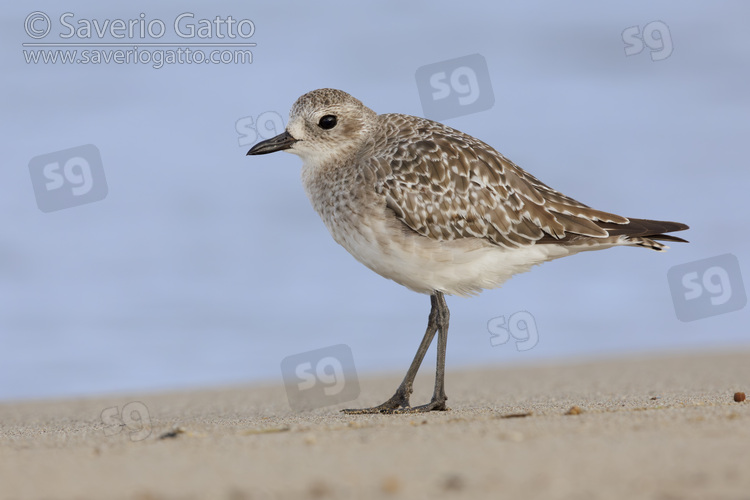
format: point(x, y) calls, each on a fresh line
point(205, 267)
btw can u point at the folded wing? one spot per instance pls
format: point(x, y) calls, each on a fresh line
point(446, 185)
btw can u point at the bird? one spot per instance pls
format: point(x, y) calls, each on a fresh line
point(437, 211)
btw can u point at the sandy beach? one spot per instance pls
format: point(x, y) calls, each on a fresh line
point(649, 427)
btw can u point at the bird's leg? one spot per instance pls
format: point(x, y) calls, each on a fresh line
point(438, 396)
point(399, 402)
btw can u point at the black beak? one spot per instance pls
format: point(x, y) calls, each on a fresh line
point(279, 143)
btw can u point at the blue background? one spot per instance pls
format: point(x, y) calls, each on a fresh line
point(204, 267)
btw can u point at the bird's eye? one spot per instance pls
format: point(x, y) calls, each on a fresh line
point(327, 122)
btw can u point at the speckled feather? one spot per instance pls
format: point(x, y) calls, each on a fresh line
point(445, 185)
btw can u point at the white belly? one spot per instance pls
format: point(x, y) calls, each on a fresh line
point(381, 242)
point(460, 267)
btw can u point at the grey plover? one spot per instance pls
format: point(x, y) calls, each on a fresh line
point(436, 210)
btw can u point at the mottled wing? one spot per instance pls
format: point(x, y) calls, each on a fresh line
point(446, 185)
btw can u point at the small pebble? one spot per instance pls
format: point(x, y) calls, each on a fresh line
point(517, 415)
point(574, 410)
point(319, 489)
point(739, 397)
point(176, 431)
point(454, 482)
point(390, 485)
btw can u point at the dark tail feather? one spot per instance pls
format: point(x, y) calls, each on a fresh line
point(668, 237)
point(645, 228)
point(638, 232)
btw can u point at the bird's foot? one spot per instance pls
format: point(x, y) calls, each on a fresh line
point(434, 405)
point(398, 404)
point(397, 401)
